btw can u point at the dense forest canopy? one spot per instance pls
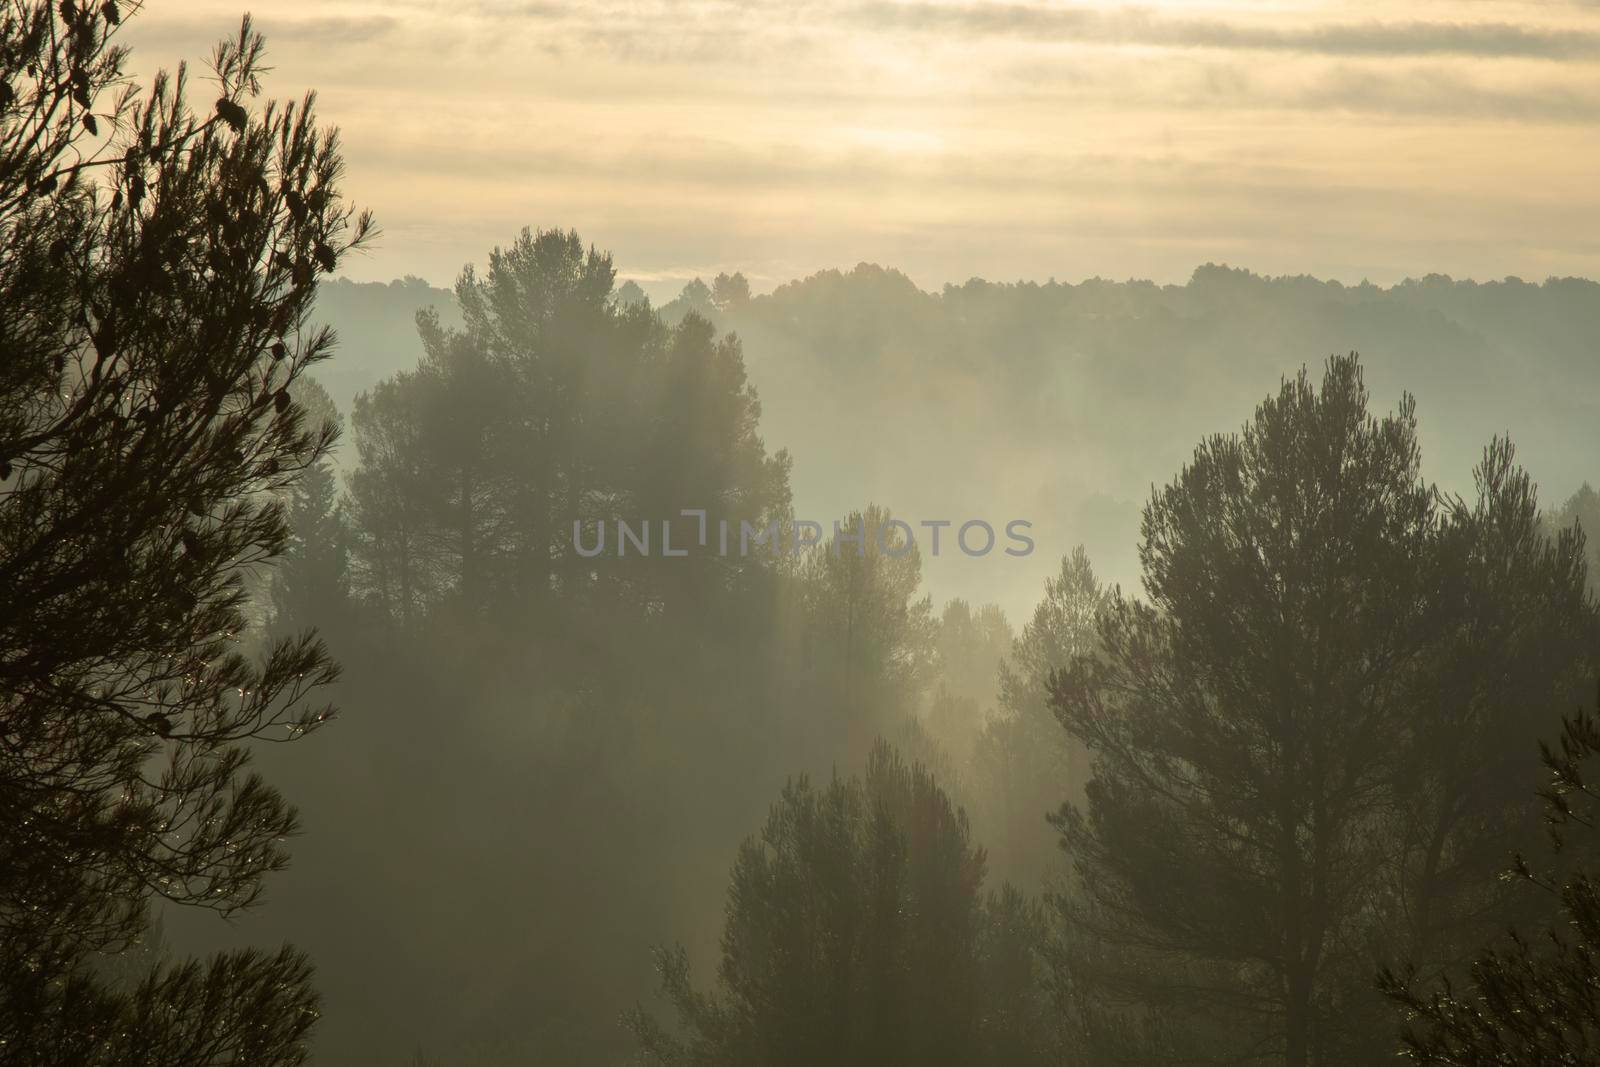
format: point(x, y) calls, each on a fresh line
point(1019, 392)
point(436, 502)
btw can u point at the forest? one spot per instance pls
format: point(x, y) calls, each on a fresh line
point(325, 739)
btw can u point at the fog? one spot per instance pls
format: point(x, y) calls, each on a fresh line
point(854, 534)
point(490, 853)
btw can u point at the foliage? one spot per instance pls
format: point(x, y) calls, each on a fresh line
point(552, 413)
point(1528, 1002)
point(157, 267)
point(857, 934)
point(1305, 744)
point(1582, 509)
point(1025, 764)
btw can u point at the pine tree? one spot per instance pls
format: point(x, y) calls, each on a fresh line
point(1582, 509)
point(1027, 766)
point(1303, 738)
point(867, 637)
point(157, 267)
point(1528, 1002)
point(311, 584)
point(857, 934)
point(969, 649)
point(554, 412)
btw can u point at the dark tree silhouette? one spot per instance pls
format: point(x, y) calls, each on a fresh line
point(1582, 510)
point(554, 404)
point(1303, 743)
point(311, 584)
point(857, 933)
point(156, 270)
point(1529, 1002)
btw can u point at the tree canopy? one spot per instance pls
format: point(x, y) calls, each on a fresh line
point(157, 270)
point(1307, 744)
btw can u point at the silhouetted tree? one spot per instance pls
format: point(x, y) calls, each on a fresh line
point(969, 647)
point(552, 406)
point(1528, 1002)
point(697, 297)
point(155, 321)
point(629, 293)
point(393, 563)
point(868, 638)
point(311, 584)
point(1023, 762)
point(1269, 737)
point(1516, 636)
point(1583, 509)
point(857, 934)
point(729, 291)
point(1029, 1015)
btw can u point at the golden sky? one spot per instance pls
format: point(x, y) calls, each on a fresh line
point(953, 138)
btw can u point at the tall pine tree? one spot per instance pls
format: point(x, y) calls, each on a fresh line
point(1305, 739)
point(157, 268)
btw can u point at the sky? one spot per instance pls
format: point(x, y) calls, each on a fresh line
point(952, 138)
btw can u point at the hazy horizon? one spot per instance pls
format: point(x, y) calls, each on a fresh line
point(957, 138)
point(664, 290)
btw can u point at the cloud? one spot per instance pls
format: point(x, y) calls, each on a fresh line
point(330, 30)
point(195, 33)
point(1132, 26)
point(954, 136)
point(1442, 95)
